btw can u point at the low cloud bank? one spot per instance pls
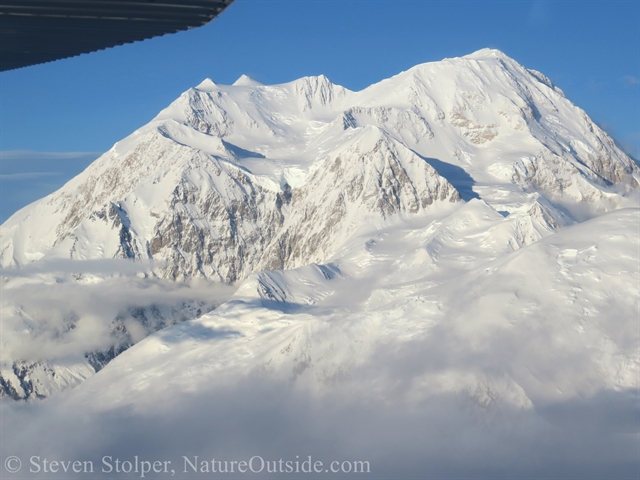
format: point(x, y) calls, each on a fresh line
point(27, 176)
point(58, 309)
point(444, 437)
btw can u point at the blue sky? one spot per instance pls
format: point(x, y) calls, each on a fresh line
point(590, 49)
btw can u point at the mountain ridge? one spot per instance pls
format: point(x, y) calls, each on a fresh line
point(239, 131)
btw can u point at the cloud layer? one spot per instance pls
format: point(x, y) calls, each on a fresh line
point(27, 176)
point(59, 309)
point(446, 437)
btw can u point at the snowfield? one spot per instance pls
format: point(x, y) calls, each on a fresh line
point(491, 327)
point(439, 274)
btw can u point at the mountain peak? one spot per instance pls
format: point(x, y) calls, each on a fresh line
point(314, 80)
point(246, 81)
point(316, 91)
point(207, 84)
point(485, 53)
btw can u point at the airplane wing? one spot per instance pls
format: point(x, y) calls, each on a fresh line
point(39, 31)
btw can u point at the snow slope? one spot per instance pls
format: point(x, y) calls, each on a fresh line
point(428, 347)
point(554, 320)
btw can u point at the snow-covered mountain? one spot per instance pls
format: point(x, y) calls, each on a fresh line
point(446, 261)
point(392, 209)
point(231, 180)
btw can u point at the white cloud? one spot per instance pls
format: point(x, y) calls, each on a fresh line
point(445, 437)
point(48, 314)
point(26, 155)
point(631, 80)
point(27, 176)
